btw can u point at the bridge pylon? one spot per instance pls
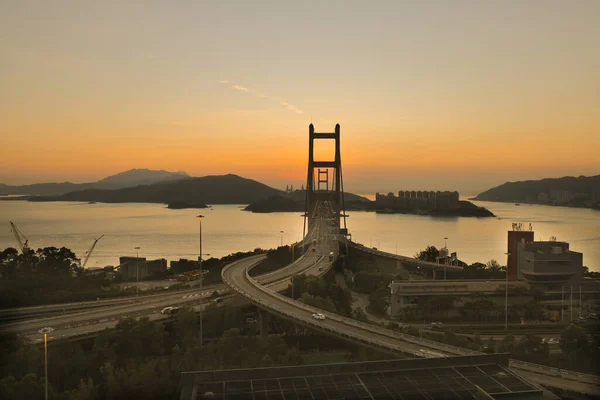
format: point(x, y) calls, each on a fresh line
point(324, 184)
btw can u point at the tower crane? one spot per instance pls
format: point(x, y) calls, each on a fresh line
point(21, 239)
point(89, 252)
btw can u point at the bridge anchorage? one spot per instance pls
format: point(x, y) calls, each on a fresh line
point(324, 202)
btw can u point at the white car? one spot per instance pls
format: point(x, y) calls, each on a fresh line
point(552, 341)
point(318, 316)
point(166, 310)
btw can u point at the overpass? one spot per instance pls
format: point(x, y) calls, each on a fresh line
point(406, 261)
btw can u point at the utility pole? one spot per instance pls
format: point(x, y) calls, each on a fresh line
point(46, 331)
point(580, 303)
point(562, 304)
point(201, 277)
point(137, 271)
point(506, 296)
point(46, 362)
point(571, 306)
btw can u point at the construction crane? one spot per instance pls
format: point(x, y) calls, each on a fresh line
point(21, 239)
point(89, 252)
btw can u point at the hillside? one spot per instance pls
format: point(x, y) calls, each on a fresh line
point(216, 189)
point(579, 191)
point(125, 179)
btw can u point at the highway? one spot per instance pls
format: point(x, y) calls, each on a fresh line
point(407, 260)
point(106, 315)
point(237, 277)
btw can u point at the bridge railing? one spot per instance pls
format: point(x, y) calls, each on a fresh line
point(303, 319)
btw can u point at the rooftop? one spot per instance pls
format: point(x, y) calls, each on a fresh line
point(467, 377)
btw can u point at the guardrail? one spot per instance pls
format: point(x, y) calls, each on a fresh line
point(380, 253)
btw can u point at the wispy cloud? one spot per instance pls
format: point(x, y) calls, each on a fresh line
point(261, 95)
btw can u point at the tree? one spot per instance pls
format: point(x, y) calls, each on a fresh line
point(532, 348)
point(431, 253)
point(574, 344)
point(367, 282)
point(490, 346)
point(317, 301)
point(359, 315)
point(28, 387)
point(57, 262)
point(186, 327)
point(379, 301)
point(507, 345)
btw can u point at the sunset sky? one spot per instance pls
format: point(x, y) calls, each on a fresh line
point(430, 94)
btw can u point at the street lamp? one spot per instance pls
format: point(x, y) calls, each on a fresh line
point(201, 276)
point(281, 238)
point(46, 331)
point(506, 295)
point(137, 271)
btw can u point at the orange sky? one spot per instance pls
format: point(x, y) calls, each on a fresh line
point(428, 96)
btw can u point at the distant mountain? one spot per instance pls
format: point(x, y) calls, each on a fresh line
point(567, 191)
point(132, 177)
point(135, 177)
point(216, 189)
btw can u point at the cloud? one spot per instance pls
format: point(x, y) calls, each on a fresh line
point(261, 95)
point(292, 107)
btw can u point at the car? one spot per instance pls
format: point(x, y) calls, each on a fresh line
point(318, 316)
point(46, 329)
point(551, 341)
point(166, 310)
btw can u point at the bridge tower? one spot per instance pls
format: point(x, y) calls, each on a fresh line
point(327, 186)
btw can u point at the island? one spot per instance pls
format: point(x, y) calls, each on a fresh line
point(433, 203)
point(281, 203)
point(180, 205)
point(568, 191)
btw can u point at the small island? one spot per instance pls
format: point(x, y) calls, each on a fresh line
point(437, 204)
point(460, 209)
point(181, 205)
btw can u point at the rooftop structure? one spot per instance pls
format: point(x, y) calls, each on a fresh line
point(130, 267)
point(410, 294)
point(470, 377)
point(549, 264)
point(422, 200)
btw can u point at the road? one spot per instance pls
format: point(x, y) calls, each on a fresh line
point(107, 314)
point(236, 276)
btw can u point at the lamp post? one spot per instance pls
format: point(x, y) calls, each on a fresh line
point(137, 271)
point(506, 295)
point(201, 276)
point(280, 238)
point(46, 331)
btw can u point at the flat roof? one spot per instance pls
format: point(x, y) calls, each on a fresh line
point(467, 377)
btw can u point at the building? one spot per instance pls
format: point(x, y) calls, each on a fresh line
point(184, 265)
point(140, 268)
point(465, 377)
point(412, 294)
point(549, 265)
point(420, 200)
point(517, 235)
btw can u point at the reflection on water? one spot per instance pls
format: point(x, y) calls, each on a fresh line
point(173, 234)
